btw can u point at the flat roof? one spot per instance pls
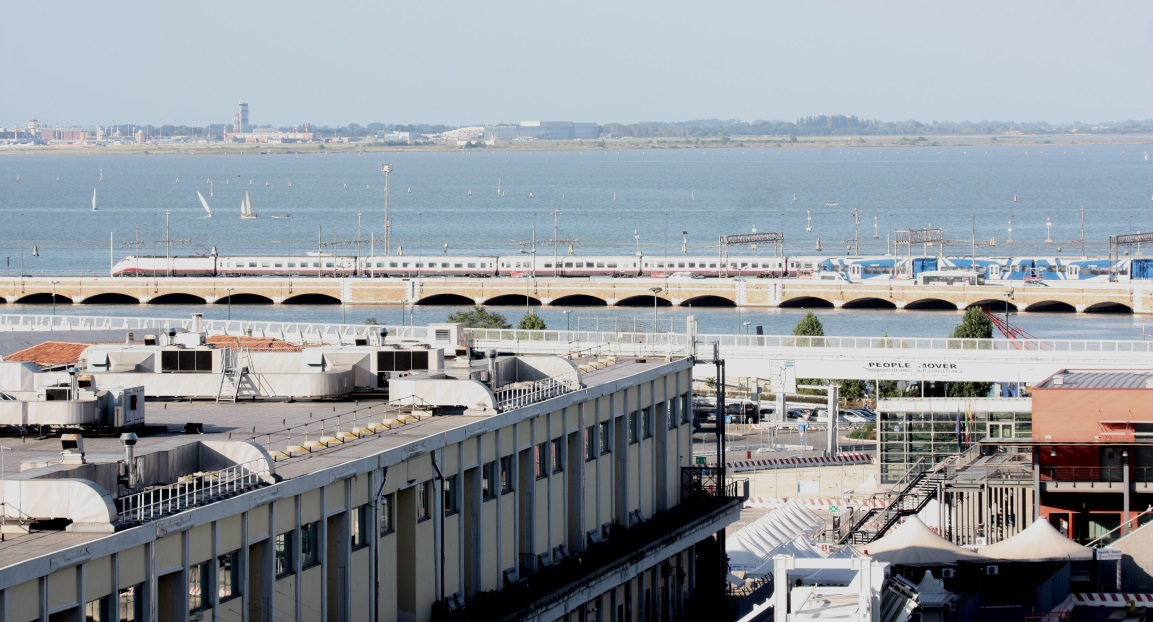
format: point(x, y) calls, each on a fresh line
point(273, 423)
point(1099, 379)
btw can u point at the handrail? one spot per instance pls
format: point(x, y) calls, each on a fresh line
point(196, 489)
point(1103, 537)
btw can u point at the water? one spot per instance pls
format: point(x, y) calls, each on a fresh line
point(45, 203)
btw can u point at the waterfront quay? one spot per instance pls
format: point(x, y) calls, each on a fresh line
point(1060, 296)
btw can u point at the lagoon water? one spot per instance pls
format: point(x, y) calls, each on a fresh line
point(603, 197)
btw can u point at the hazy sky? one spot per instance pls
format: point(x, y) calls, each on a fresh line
point(454, 62)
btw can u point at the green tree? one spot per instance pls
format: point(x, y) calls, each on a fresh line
point(532, 321)
point(809, 326)
point(372, 321)
point(852, 389)
point(975, 325)
point(479, 317)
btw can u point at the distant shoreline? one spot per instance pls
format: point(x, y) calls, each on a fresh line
point(739, 142)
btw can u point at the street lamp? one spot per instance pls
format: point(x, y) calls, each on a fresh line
point(746, 325)
point(54, 297)
point(229, 290)
point(566, 313)
point(655, 291)
point(386, 169)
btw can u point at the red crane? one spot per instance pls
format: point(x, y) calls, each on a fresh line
point(1019, 337)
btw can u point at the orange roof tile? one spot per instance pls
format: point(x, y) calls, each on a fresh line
point(50, 353)
point(253, 343)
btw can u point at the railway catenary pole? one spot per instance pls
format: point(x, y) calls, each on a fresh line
point(386, 169)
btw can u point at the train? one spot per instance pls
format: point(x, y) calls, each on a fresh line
point(849, 269)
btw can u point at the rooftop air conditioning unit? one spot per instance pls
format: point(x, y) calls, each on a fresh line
point(992, 570)
point(948, 573)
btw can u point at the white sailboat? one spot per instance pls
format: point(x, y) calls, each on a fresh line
point(246, 212)
point(204, 203)
point(94, 208)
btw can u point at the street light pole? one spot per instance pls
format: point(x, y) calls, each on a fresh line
point(386, 169)
point(655, 291)
point(566, 313)
point(54, 297)
point(229, 290)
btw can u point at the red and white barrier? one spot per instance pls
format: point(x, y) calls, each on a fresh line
point(1111, 599)
point(776, 502)
point(852, 457)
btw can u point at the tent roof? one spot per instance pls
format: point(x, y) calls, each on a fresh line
point(1040, 542)
point(755, 542)
point(913, 544)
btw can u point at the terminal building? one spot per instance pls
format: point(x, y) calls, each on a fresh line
point(542, 130)
point(432, 484)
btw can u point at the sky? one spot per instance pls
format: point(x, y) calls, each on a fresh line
point(78, 63)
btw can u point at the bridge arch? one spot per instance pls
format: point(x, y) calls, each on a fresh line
point(807, 302)
point(512, 300)
point(43, 298)
point(454, 300)
point(1051, 306)
point(312, 299)
point(1108, 307)
point(994, 305)
point(177, 299)
point(931, 304)
point(708, 301)
point(643, 301)
point(2, 300)
point(579, 300)
point(244, 299)
point(110, 298)
point(869, 303)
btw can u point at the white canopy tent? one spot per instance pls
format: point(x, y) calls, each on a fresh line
point(1040, 542)
point(913, 544)
point(754, 544)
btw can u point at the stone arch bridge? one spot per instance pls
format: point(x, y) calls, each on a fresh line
point(751, 293)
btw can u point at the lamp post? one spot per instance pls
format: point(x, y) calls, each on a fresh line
point(229, 290)
point(4, 505)
point(566, 313)
point(746, 325)
point(386, 169)
point(54, 297)
point(655, 291)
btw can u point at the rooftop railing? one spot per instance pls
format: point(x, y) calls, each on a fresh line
point(191, 491)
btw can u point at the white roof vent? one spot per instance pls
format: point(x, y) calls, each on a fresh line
point(1057, 380)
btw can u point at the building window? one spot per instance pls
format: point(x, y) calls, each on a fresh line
point(605, 437)
point(488, 481)
point(423, 501)
point(309, 545)
point(506, 475)
point(672, 413)
point(557, 455)
point(634, 426)
point(590, 443)
point(198, 587)
point(283, 555)
point(541, 460)
point(648, 414)
point(451, 494)
point(228, 575)
point(96, 610)
point(386, 516)
point(686, 406)
point(358, 527)
point(131, 603)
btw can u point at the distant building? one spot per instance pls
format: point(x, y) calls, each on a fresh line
point(542, 130)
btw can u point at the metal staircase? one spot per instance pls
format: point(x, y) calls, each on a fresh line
point(921, 484)
point(232, 372)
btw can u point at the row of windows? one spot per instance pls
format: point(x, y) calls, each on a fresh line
point(276, 264)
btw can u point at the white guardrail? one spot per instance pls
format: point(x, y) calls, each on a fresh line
point(191, 491)
point(563, 341)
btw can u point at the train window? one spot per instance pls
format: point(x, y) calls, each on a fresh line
point(713, 265)
point(611, 264)
point(568, 264)
point(278, 265)
point(471, 265)
point(252, 264)
point(600, 264)
point(459, 265)
point(692, 264)
point(681, 264)
point(292, 264)
point(264, 264)
point(548, 264)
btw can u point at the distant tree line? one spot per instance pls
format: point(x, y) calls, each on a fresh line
point(820, 125)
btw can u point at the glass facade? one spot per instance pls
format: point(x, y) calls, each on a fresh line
point(909, 430)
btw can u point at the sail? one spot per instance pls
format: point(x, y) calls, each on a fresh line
point(94, 208)
point(246, 206)
point(204, 203)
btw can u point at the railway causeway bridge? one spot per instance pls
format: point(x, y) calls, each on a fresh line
point(1063, 296)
